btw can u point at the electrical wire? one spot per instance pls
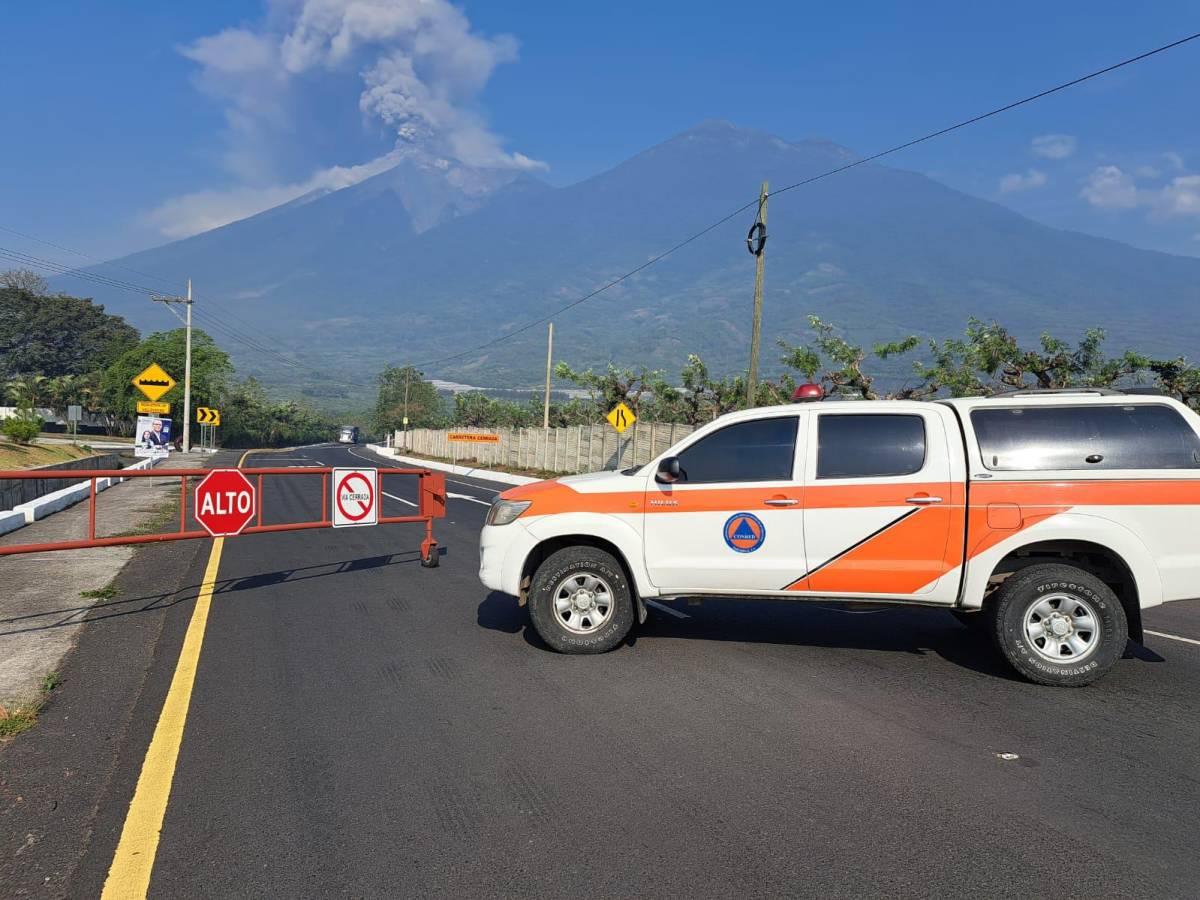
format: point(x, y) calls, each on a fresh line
point(851, 165)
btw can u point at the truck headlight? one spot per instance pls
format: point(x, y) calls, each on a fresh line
point(505, 511)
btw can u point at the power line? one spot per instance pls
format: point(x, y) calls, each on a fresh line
point(896, 149)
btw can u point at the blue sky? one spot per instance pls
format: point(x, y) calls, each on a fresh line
point(130, 123)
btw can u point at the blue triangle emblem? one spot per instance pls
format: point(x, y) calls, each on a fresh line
point(744, 531)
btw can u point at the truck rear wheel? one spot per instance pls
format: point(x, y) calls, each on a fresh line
point(1058, 625)
point(580, 601)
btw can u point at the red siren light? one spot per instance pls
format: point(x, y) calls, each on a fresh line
point(806, 393)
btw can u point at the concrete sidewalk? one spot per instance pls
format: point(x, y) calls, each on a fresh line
point(41, 609)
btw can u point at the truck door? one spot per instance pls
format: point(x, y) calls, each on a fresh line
point(734, 523)
point(883, 510)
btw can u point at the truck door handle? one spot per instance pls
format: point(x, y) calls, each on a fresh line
point(923, 500)
point(781, 501)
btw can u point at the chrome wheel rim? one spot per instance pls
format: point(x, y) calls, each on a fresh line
point(1063, 628)
point(583, 602)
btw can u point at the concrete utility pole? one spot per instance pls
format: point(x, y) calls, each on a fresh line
point(407, 373)
point(549, 364)
point(187, 359)
point(756, 243)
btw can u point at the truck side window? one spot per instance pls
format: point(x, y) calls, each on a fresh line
point(870, 445)
point(759, 450)
point(1044, 438)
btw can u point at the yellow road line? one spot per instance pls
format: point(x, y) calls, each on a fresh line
point(129, 875)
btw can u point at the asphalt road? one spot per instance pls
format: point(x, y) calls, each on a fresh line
point(361, 726)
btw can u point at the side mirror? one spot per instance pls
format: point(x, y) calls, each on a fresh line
point(669, 471)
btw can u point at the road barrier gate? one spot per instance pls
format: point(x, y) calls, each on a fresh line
point(431, 505)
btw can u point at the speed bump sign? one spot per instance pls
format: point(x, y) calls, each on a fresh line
point(355, 497)
point(153, 381)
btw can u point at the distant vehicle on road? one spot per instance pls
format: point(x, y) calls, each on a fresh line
point(348, 434)
point(1051, 517)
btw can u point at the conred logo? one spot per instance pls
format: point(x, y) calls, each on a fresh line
point(744, 532)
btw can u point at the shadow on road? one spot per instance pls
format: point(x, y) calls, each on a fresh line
point(913, 632)
point(125, 606)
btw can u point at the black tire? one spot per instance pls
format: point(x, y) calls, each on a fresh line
point(1018, 598)
point(580, 563)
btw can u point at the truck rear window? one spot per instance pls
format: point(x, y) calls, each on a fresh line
point(1063, 438)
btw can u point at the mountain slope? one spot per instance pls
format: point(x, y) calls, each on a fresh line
point(367, 276)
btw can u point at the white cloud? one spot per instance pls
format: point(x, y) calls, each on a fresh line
point(1174, 160)
point(1181, 197)
point(1017, 182)
point(1110, 188)
point(1053, 146)
point(420, 69)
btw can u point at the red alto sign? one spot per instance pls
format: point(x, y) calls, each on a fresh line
point(225, 502)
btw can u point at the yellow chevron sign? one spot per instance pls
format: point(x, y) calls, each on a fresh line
point(207, 416)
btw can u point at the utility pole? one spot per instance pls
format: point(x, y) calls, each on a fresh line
point(187, 359)
point(549, 363)
point(407, 373)
point(756, 243)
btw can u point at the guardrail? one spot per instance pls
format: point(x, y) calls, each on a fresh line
point(431, 505)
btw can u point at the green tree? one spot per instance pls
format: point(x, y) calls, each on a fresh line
point(838, 364)
point(58, 335)
point(612, 386)
point(425, 406)
point(250, 419)
point(211, 373)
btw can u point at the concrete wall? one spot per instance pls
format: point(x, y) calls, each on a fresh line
point(14, 492)
point(579, 448)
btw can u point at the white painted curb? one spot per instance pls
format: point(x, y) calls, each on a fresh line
point(58, 500)
point(11, 520)
point(487, 474)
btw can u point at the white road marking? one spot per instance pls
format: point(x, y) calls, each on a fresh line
point(1173, 637)
point(466, 497)
point(664, 608)
point(468, 484)
point(370, 460)
point(401, 499)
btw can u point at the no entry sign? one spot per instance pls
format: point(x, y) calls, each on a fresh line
point(355, 497)
point(225, 502)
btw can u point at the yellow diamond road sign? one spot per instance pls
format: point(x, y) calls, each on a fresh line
point(153, 382)
point(621, 417)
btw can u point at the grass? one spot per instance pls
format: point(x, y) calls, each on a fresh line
point(108, 592)
point(21, 718)
point(165, 515)
point(27, 456)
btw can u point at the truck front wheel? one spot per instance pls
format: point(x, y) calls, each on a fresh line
point(580, 601)
point(1058, 625)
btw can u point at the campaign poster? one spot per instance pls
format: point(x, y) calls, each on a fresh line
point(152, 438)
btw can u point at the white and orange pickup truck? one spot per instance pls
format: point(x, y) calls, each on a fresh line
point(1054, 518)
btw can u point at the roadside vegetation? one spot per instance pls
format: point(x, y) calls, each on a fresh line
point(57, 351)
point(986, 360)
point(28, 456)
point(21, 718)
